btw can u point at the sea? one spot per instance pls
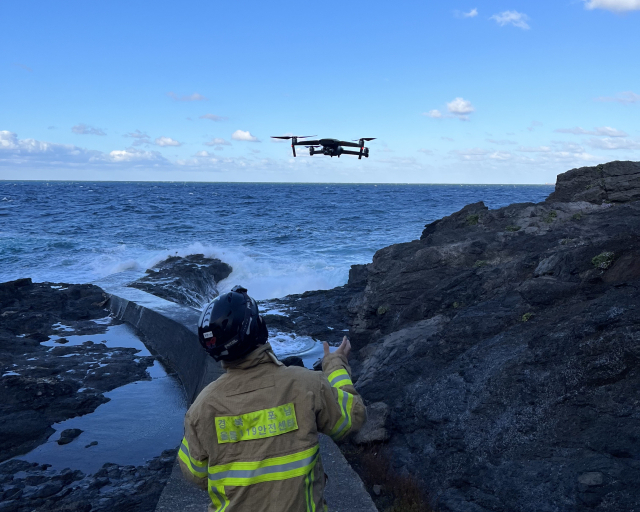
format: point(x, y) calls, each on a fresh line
point(280, 238)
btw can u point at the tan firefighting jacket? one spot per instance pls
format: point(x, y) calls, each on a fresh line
point(251, 437)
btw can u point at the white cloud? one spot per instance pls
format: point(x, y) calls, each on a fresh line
point(533, 125)
point(470, 154)
point(567, 147)
point(609, 143)
point(603, 130)
point(501, 155)
point(22, 66)
point(471, 14)
point(626, 98)
point(166, 141)
point(460, 108)
point(613, 5)
point(189, 97)
point(538, 149)
point(501, 142)
point(213, 117)
point(134, 155)
point(136, 135)
point(242, 135)
point(83, 129)
point(31, 153)
point(515, 18)
point(426, 151)
point(139, 137)
point(436, 114)
point(217, 141)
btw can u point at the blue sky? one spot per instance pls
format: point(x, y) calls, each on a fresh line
point(470, 92)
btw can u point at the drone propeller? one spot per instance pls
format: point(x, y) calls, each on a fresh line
point(361, 142)
point(294, 140)
point(292, 137)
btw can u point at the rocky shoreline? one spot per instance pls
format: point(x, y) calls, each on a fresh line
point(505, 345)
point(499, 354)
point(45, 380)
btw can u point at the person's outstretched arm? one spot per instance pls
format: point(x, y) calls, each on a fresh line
point(342, 410)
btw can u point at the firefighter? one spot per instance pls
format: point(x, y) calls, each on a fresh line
point(251, 437)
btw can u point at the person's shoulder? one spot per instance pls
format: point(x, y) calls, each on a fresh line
point(210, 391)
point(299, 374)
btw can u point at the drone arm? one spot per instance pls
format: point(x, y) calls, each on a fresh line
point(349, 144)
point(356, 153)
point(307, 143)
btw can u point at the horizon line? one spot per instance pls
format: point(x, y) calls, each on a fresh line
point(279, 182)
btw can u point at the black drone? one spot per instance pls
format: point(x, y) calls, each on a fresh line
point(330, 147)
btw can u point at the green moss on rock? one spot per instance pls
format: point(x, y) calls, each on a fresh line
point(603, 260)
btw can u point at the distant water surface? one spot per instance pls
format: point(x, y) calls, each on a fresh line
point(279, 238)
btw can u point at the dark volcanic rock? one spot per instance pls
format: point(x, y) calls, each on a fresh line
point(615, 182)
point(68, 435)
point(40, 385)
point(506, 345)
point(320, 314)
point(191, 281)
point(112, 488)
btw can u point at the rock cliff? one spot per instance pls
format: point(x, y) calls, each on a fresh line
point(506, 345)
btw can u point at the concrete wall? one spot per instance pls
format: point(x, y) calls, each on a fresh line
point(169, 329)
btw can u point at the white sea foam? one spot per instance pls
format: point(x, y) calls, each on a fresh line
point(265, 276)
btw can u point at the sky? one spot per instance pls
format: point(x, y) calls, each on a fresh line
point(455, 92)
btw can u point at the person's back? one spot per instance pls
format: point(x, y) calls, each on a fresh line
point(251, 437)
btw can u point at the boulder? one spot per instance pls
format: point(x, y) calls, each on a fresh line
point(191, 280)
point(68, 435)
point(374, 430)
point(615, 182)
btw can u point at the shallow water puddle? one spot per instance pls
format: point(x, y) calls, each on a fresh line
point(141, 419)
point(122, 336)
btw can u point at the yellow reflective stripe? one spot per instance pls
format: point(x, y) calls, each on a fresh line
point(256, 425)
point(343, 425)
point(218, 498)
point(311, 504)
point(340, 378)
point(197, 467)
point(268, 470)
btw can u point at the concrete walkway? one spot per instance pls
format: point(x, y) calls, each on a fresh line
point(170, 330)
point(344, 492)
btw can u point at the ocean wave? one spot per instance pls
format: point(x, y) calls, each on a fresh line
point(265, 276)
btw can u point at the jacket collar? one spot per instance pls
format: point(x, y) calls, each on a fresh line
point(262, 354)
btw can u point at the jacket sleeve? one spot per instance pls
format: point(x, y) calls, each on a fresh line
point(193, 459)
point(342, 410)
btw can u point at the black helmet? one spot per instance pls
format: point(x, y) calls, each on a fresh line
point(231, 326)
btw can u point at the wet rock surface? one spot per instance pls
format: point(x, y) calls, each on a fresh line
point(42, 385)
point(191, 280)
point(506, 345)
point(30, 487)
point(324, 315)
